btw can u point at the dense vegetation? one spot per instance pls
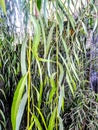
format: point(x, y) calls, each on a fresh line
point(45, 68)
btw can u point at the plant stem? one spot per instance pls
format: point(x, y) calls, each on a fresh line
point(57, 73)
point(29, 68)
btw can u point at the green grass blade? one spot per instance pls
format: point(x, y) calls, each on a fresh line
point(2, 116)
point(43, 34)
point(66, 65)
point(61, 75)
point(74, 69)
point(52, 120)
point(45, 11)
point(96, 25)
point(48, 63)
point(37, 122)
point(31, 125)
point(65, 48)
point(60, 21)
point(61, 127)
point(41, 84)
point(49, 39)
point(68, 14)
point(42, 117)
point(84, 27)
point(36, 40)
point(61, 97)
point(21, 111)
point(53, 87)
point(3, 93)
point(69, 83)
point(23, 57)
point(17, 99)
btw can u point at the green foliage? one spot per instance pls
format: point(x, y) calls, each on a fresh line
point(39, 2)
point(2, 110)
point(2, 4)
point(38, 125)
point(53, 92)
point(83, 114)
point(36, 39)
point(52, 120)
point(16, 101)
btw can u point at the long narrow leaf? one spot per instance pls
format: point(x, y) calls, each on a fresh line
point(69, 83)
point(2, 116)
point(38, 125)
point(36, 39)
point(49, 39)
point(21, 111)
point(17, 99)
point(61, 75)
point(43, 34)
point(53, 87)
point(42, 117)
point(61, 97)
point(61, 127)
point(23, 57)
point(41, 84)
point(52, 120)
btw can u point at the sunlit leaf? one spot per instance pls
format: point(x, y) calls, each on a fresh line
point(23, 57)
point(21, 111)
point(84, 27)
point(69, 83)
point(61, 127)
point(65, 48)
point(17, 100)
point(60, 21)
point(61, 75)
point(41, 84)
point(52, 120)
point(96, 24)
point(37, 122)
point(66, 65)
point(74, 69)
point(31, 124)
point(49, 39)
point(42, 117)
point(53, 87)
point(45, 11)
point(36, 39)
point(48, 63)
point(2, 5)
point(61, 97)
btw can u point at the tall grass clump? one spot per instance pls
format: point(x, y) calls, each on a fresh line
point(48, 73)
